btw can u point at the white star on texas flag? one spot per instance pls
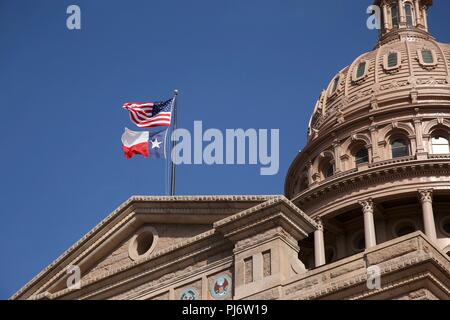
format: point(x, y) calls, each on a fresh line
point(156, 143)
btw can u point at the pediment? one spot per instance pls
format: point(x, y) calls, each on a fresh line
point(107, 248)
point(146, 240)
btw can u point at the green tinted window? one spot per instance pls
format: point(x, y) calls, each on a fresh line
point(427, 56)
point(361, 70)
point(392, 59)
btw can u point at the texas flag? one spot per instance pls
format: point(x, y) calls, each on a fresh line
point(134, 143)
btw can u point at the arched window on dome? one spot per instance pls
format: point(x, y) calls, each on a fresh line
point(360, 71)
point(440, 143)
point(409, 11)
point(395, 15)
point(392, 61)
point(361, 156)
point(427, 57)
point(334, 85)
point(400, 148)
point(329, 170)
point(327, 167)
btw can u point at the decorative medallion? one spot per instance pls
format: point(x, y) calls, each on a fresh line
point(221, 287)
point(189, 294)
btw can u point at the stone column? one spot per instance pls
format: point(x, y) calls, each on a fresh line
point(420, 152)
point(425, 17)
point(426, 199)
point(369, 224)
point(374, 138)
point(386, 17)
point(337, 156)
point(418, 14)
point(319, 245)
point(309, 167)
point(402, 13)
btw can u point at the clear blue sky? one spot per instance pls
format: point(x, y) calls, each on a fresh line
point(237, 63)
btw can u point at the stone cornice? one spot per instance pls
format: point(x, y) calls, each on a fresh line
point(275, 212)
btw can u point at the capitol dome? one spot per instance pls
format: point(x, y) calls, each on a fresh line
point(378, 141)
point(404, 62)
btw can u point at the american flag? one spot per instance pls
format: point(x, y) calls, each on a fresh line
point(150, 114)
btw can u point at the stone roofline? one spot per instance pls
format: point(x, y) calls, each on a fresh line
point(130, 208)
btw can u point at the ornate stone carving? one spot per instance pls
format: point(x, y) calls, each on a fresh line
point(426, 195)
point(412, 81)
point(373, 103)
point(319, 222)
point(367, 205)
point(414, 96)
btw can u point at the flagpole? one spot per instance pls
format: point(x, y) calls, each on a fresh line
point(172, 183)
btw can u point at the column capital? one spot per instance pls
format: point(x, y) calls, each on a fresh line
point(426, 195)
point(367, 205)
point(336, 143)
point(319, 223)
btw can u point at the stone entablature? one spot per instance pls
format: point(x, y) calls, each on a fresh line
point(379, 181)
